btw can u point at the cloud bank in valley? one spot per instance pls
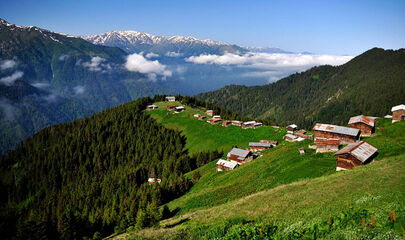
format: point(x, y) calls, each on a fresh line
point(6, 64)
point(9, 80)
point(270, 65)
point(79, 89)
point(138, 63)
point(7, 109)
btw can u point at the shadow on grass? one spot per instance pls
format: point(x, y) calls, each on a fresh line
point(181, 221)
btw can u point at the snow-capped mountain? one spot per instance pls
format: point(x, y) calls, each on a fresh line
point(133, 41)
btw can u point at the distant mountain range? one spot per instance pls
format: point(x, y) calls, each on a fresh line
point(132, 41)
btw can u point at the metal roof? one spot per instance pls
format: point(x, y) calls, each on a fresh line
point(387, 116)
point(292, 125)
point(209, 111)
point(181, 107)
point(239, 152)
point(216, 116)
point(227, 164)
point(360, 150)
point(259, 144)
point(398, 107)
point(291, 136)
point(152, 106)
point(250, 122)
point(362, 119)
point(336, 129)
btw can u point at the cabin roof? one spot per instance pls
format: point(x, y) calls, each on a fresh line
point(239, 152)
point(362, 119)
point(170, 97)
point(227, 164)
point(153, 105)
point(292, 126)
point(360, 150)
point(336, 129)
point(250, 122)
point(291, 136)
point(179, 108)
point(398, 107)
point(209, 110)
point(259, 144)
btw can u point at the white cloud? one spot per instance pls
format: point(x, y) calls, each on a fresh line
point(9, 80)
point(79, 89)
point(6, 64)
point(137, 63)
point(270, 61)
point(173, 54)
point(96, 64)
point(152, 55)
point(272, 66)
point(8, 109)
point(41, 85)
point(63, 57)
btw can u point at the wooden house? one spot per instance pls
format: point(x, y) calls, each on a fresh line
point(249, 124)
point(290, 138)
point(236, 123)
point(216, 117)
point(258, 146)
point(327, 145)
point(214, 120)
point(344, 134)
point(210, 112)
point(257, 125)
point(355, 154)
point(365, 124)
point(171, 107)
point(224, 165)
point(154, 180)
point(291, 128)
point(398, 113)
point(301, 151)
point(151, 107)
point(202, 117)
point(170, 99)
point(273, 143)
point(302, 133)
point(179, 109)
point(197, 115)
point(239, 156)
point(226, 123)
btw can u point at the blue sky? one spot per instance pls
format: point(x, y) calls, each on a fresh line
point(324, 27)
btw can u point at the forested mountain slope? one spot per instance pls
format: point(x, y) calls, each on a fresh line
point(369, 84)
point(91, 175)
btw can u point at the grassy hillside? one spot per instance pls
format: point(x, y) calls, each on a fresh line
point(324, 93)
point(298, 191)
point(202, 136)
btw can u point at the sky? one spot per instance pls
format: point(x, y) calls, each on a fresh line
point(323, 27)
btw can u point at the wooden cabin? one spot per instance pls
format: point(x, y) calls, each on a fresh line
point(355, 154)
point(154, 180)
point(257, 125)
point(273, 143)
point(291, 128)
point(216, 117)
point(398, 113)
point(327, 145)
point(239, 156)
point(202, 117)
point(179, 109)
point(151, 107)
point(171, 107)
point(344, 134)
point(258, 146)
point(302, 133)
point(365, 124)
point(236, 123)
point(224, 165)
point(301, 151)
point(226, 123)
point(214, 120)
point(290, 138)
point(170, 99)
point(249, 124)
point(210, 112)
